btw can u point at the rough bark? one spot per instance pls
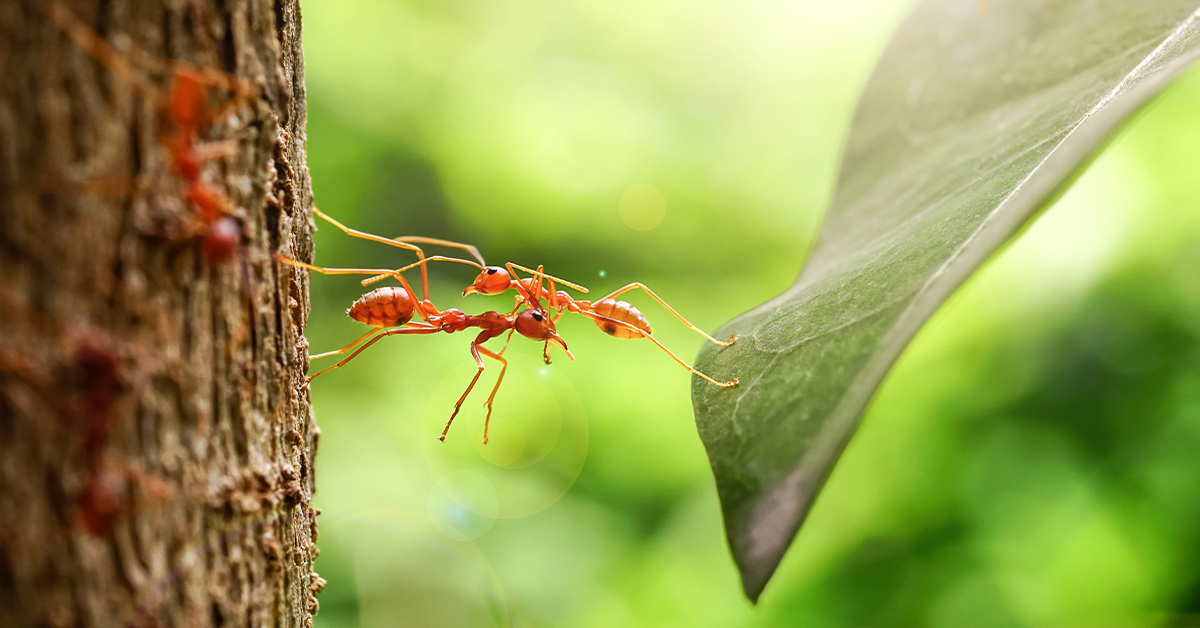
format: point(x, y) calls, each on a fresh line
point(155, 451)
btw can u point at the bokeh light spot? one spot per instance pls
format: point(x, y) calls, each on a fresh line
point(642, 207)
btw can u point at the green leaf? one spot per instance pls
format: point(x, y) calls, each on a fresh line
point(975, 118)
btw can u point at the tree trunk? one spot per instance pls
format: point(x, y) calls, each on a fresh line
point(156, 451)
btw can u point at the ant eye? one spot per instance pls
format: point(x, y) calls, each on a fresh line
point(537, 316)
point(491, 271)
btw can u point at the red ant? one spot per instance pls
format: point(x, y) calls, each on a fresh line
point(617, 318)
point(88, 398)
point(186, 108)
point(390, 311)
point(98, 374)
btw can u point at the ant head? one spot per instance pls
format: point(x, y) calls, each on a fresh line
point(493, 280)
point(535, 324)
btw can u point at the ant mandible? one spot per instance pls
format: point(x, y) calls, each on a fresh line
point(185, 107)
point(390, 311)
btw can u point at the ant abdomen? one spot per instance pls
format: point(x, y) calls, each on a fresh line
point(384, 307)
point(624, 312)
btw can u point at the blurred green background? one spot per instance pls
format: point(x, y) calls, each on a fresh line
point(1030, 461)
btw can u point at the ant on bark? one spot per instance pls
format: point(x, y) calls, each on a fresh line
point(98, 374)
point(187, 113)
point(86, 395)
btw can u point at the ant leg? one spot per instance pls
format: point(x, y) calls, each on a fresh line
point(458, 405)
point(347, 347)
point(556, 300)
point(389, 332)
point(517, 301)
point(564, 282)
point(523, 293)
point(496, 356)
point(354, 233)
point(243, 90)
point(223, 80)
point(362, 338)
point(425, 309)
point(211, 151)
point(552, 300)
point(156, 485)
point(670, 309)
point(432, 258)
point(537, 291)
point(506, 341)
point(334, 271)
point(552, 307)
point(593, 315)
point(474, 252)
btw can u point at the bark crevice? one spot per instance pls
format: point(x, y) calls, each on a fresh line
point(155, 448)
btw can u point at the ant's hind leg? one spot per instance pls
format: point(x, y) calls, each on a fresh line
point(411, 325)
point(387, 332)
point(354, 233)
point(496, 356)
point(211, 151)
point(458, 404)
point(402, 244)
point(470, 249)
point(634, 286)
point(564, 282)
point(335, 271)
point(347, 347)
point(369, 236)
point(729, 384)
point(432, 258)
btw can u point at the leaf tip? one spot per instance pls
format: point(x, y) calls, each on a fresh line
point(753, 588)
point(756, 573)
